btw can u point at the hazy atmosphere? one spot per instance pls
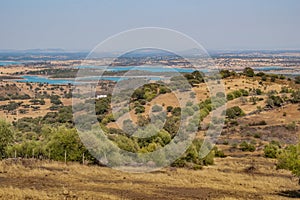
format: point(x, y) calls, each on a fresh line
point(81, 25)
point(149, 100)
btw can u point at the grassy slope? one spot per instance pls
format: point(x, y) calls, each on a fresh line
point(229, 178)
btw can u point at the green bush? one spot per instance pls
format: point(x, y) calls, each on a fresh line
point(273, 78)
point(248, 72)
point(291, 126)
point(274, 101)
point(139, 109)
point(176, 111)
point(157, 108)
point(55, 99)
point(297, 79)
point(225, 73)
point(219, 153)
point(192, 159)
point(258, 91)
point(64, 140)
point(230, 97)
point(245, 146)
point(169, 108)
point(260, 123)
point(289, 159)
point(234, 112)
point(272, 150)
point(295, 96)
point(6, 137)
point(125, 143)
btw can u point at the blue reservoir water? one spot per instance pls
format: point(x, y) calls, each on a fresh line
point(41, 79)
point(154, 69)
point(6, 63)
point(141, 68)
point(271, 68)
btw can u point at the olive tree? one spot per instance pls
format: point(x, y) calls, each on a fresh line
point(290, 159)
point(6, 137)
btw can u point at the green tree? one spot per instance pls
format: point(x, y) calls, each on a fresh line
point(245, 146)
point(273, 101)
point(297, 79)
point(157, 108)
point(192, 159)
point(6, 137)
point(55, 99)
point(296, 96)
point(248, 71)
point(272, 150)
point(169, 108)
point(289, 159)
point(234, 112)
point(65, 140)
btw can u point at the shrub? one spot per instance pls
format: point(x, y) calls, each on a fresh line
point(164, 90)
point(273, 101)
point(260, 123)
point(234, 112)
point(264, 78)
point(244, 146)
point(237, 93)
point(176, 111)
point(291, 126)
point(172, 125)
point(258, 91)
point(248, 72)
point(271, 150)
point(126, 143)
point(230, 97)
point(282, 77)
point(260, 74)
point(191, 157)
point(220, 95)
point(219, 153)
point(65, 140)
point(157, 108)
point(244, 92)
point(169, 108)
point(225, 73)
point(189, 103)
point(289, 159)
point(273, 78)
point(139, 109)
point(284, 114)
point(297, 79)
point(295, 96)
point(11, 106)
point(6, 134)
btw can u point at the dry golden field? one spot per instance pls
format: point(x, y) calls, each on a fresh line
point(230, 178)
point(241, 175)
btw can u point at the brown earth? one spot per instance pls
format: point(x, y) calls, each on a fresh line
point(230, 178)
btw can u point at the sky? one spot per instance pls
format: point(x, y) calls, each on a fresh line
point(215, 24)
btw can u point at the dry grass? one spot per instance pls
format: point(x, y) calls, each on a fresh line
point(246, 177)
point(9, 70)
point(44, 109)
point(227, 179)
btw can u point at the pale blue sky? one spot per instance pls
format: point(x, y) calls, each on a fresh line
point(216, 24)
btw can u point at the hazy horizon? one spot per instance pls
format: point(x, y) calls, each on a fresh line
point(217, 25)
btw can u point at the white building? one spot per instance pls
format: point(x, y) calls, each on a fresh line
point(101, 96)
